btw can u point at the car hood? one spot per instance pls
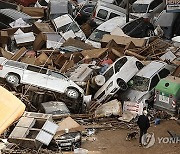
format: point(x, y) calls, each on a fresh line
point(134, 95)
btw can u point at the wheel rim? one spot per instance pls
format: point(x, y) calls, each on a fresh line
point(72, 93)
point(150, 33)
point(12, 79)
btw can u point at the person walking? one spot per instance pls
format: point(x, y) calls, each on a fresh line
point(143, 123)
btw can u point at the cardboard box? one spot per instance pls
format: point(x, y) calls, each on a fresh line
point(35, 12)
point(48, 40)
point(4, 38)
point(24, 39)
point(41, 27)
point(94, 53)
point(19, 54)
point(123, 40)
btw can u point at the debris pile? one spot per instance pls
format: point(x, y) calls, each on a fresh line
point(57, 89)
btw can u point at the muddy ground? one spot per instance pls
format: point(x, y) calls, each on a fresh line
point(113, 141)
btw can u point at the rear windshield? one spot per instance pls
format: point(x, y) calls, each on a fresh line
point(139, 8)
point(97, 35)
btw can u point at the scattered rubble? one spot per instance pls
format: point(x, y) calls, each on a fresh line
point(56, 90)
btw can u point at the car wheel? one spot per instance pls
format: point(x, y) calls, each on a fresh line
point(72, 93)
point(13, 79)
point(150, 32)
point(122, 85)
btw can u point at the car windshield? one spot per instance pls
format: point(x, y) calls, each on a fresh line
point(97, 35)
point(70, 26)
point(140, 83)
point(139, 8)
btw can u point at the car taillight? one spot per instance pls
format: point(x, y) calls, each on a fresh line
point(1, 67)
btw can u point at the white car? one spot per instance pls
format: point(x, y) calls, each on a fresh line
point(105, 28)
point(16, 73)
point(117, 76)
point(68, 27)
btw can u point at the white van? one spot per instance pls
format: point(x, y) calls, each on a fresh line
point(105, 28)
point(68, 27)
point(105, 11)
point(147, 8)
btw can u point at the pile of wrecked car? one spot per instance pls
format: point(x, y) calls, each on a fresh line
point(56, 69)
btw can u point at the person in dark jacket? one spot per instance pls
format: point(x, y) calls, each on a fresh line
point(143, 123)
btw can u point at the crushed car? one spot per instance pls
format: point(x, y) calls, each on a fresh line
point(143, 83)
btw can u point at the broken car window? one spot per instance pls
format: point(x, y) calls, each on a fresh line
point(140, 83)
point(97, 35)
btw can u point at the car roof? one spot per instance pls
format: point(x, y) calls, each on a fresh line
point(109, 25)
point(14, 14)
point(143, 1)
point(111, 6)
point(149, 70)
point(63, 20)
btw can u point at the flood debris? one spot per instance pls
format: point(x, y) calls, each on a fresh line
point(57, 90)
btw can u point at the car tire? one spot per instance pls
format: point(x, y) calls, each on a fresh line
point(122, 85)
point(150, 32)
point(13, 79)
point(72, 93)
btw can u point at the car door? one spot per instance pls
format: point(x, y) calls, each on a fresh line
point(57, 81)
point(35, 76)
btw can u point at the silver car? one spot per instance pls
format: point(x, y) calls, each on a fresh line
point(16, 73)
point(144, 82)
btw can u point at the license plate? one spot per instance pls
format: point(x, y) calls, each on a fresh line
point(164, 99)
